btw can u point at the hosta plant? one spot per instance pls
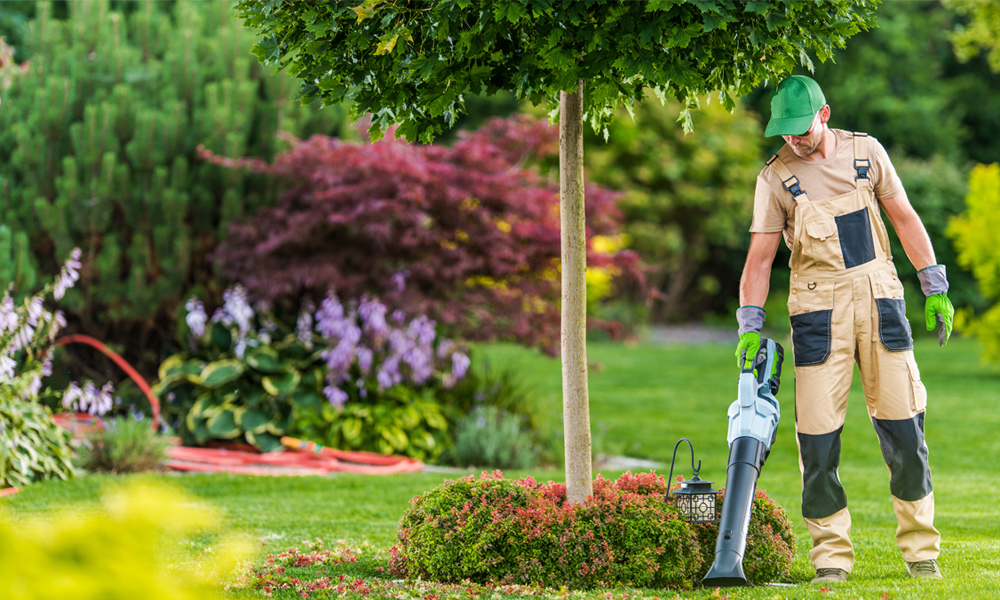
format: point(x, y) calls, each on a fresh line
point(32, 446)
point(353, 377)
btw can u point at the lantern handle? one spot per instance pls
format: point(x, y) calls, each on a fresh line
point(670, 478)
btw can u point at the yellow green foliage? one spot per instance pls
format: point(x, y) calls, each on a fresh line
point(976, 241)
point(129, 547)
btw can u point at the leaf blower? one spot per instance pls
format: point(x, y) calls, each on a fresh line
point(753, 424)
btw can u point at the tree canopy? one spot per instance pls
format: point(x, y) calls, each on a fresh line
point(413, 63)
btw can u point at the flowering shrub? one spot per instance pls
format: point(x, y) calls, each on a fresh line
point(520, 532)
point(351, 377)
point(471, 232)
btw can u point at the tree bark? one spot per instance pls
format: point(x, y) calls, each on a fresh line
point(576, 405)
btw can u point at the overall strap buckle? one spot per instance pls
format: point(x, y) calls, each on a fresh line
point(793, 187)
point(861, 165)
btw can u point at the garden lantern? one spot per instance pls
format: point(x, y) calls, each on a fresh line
point(695, 498)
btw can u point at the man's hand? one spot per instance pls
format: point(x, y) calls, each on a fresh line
point(751, 321)
point(938, 307)
point(747, 349)
point(934, 285)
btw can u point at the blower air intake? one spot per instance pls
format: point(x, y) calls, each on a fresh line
point(753, 424)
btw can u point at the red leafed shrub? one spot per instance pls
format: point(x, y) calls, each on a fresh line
point(465, 234)
point(495, 530)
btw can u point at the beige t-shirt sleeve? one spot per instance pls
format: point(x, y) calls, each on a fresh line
point(884, 176)
point(769, 216)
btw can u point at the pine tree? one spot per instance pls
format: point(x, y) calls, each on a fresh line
point(98, 138)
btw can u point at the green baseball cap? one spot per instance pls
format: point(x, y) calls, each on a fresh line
point(794, 104)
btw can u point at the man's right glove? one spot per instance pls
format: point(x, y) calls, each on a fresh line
point(938, 308)
point(751, 321)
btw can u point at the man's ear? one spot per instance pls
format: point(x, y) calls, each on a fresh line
point(824, 114)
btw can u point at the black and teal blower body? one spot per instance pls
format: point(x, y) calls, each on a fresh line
point(753, 424)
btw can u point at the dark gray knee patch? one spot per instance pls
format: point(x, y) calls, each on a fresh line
point(905, 452)
point(822, 493)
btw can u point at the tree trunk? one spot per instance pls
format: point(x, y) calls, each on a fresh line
point(576, 405)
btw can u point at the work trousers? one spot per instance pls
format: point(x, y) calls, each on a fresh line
point(839, 320)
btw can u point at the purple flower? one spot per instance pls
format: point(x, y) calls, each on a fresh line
point(420, 362)
point(422, 330)
point(7, 366)
point(236, 309)
point(35, 310)
point(88, 398)
point(372, 314)
point(330, 316)
point(196, 317)
point(8, 314)
point(23, 337)
point(459, 365)
point(304, 325)
point(388, 374)
point(68, 275)
point(365, 358)
point(335, 396)
point(399, 280)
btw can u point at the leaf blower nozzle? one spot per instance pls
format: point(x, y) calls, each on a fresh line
point(753, 424)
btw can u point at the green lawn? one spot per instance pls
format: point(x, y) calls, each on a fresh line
point(643, 399)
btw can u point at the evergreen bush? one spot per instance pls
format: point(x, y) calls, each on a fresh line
point(494, 530)
point(98, 137)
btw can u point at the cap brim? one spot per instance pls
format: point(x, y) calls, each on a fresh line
point(789, 125)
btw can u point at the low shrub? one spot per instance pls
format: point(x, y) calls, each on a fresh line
point(520, 532)
point(137, 544)
point(123, 445)
point(494, 530)
point(32, 446)
point(489, 436)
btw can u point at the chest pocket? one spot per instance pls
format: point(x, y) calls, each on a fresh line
point(821, 242)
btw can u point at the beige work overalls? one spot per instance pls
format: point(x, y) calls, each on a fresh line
point(846, 307)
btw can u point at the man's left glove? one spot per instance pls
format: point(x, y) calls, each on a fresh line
point(938, 308)
point(751, 321)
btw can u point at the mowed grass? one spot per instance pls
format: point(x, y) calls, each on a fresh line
point(643, 398)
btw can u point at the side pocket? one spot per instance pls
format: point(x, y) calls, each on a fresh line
point(919, 391)
point(811, 337)
point(893, 328)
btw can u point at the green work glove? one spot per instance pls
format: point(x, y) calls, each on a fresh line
point(751, 321)
point(747, 349)
point(938, 308)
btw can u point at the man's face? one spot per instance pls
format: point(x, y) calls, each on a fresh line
point(807, 143)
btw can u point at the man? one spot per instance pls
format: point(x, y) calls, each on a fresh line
point(822, 191)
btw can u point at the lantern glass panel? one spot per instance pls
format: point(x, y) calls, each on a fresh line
point(702, 508)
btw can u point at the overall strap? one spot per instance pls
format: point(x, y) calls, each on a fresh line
point(861, 163)
point(788, 181)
